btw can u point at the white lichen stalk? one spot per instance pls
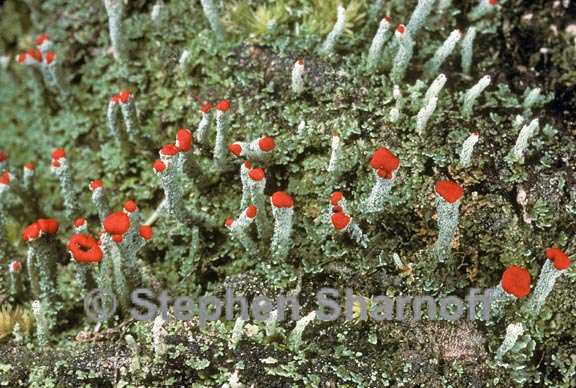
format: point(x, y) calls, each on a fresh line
point(382, 35)
point(298, 77)
point(245, 179)
point(468, 149)
point(396, 111)
point(54, 71)
point(258, 197)
point(513, 332)
point(211, 14)
point(483, 8)
point(42, 325)
point(239, 230)
point(112, 120)
point(282, 236)
point(434, 89)
point(100, 202)
point(546, 281)
point(203, 126)
point(532, 98)
point(221, 135)
point(467, 50)
point(129, 115)
point(115, 11)
point(330, 42)
point(473, 93)
point(404, 54)
point(295, 339)
point(336, 151)
point(379, 193)
point(172, 191)
point(113, 253)
point(419, 15)
point(448, 215)
point(527, 132)
point(424, 115)
point(442, 53)
point(66, 187)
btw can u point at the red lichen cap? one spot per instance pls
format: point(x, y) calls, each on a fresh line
point(340, 220)
point(168, 150)
point(40, 39)
point(251, 211)
point(449, 190)
point(159, 166)
point(336, 197)
point(257, 174)
point(516, 281)
point(15, 266)
point(21, 58)
point(124, 96)
point(385, 162)
point(79, 222)
point(85, 249)
point(235, 148)
point(30, 166)
point(48, 225)
point(146, 232)
point(559, 258)
point(266, 143)
point(35, 54)
point(223, 105)
point(117, 238)
point(337, 209)
point(130, 206)
point(117, 223)
point(3, 157)
point(58, 153)
point(95, 184)
point(206, 107)
point(31, 232)
point(115, 99)
point(401, 29)
point(247, 164)
point(388, 18)
point(228, 222)
point(49, 57)
point(184, 140)
point(281, 199)
point(493, 2)
point(5, 178)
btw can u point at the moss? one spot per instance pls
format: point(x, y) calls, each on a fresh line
point(252, 68)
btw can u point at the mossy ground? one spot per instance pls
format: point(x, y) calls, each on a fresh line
point(252, 68)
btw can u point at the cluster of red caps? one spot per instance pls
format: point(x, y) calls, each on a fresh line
point(250, 213)
point(34, 55)
point(340, 220)
point(183, 143)
point(43, 226)
point(265, 143)
point(121, 98)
